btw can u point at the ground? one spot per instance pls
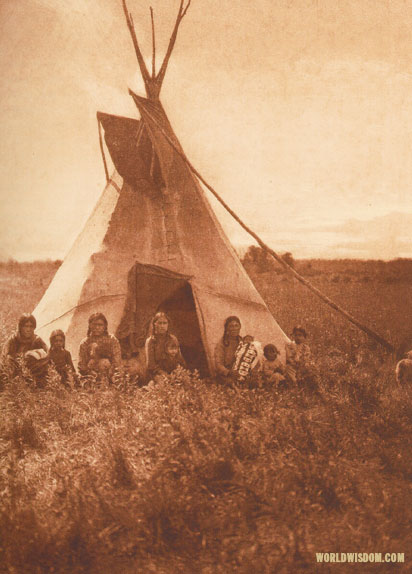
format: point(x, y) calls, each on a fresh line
point(191, 477)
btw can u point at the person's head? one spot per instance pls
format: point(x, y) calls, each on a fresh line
point(231, 328)
point(172, 349)
point(97, 325)
point(57, 339)
point(159, 376)
point(271, 352)
point(103, 365)
point(26, 326)
point(160, 323)
point(299, 335)
point(132, 365)
point(248, 339)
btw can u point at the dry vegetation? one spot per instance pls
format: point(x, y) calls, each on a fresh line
point(191, 477)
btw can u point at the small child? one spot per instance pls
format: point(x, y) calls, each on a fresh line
point(172, 359)
point(404, 369)
point(273, 370)
point(133, 371)
point(59, 356)
point(103, 370)
point(299, 364)
point(158, 376)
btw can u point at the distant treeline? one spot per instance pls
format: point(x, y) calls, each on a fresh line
point(26, 267)
point(256, 260)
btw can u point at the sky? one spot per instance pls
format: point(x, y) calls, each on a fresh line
point(297, 112)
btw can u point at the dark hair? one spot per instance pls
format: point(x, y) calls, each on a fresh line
point(268, 348)
point(26, 318)
point(57, 333)
point(152, 331)
point(299, 329)
point(97, 317)
point(171, 342)
point(228, 320)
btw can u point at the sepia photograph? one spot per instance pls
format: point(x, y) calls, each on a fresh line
point(206, 286)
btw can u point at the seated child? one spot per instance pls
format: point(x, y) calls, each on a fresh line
point(404, 369)
point(133, 370)
point(59, 356)
point(273, 370)
point(97, 353)
point(158, 376)
point(299, 363)
point(103, 370)
point(172, 358)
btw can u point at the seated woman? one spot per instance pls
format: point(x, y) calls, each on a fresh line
point(158, 345)
point(97, 345)
point(225, 351)
point(23, 341)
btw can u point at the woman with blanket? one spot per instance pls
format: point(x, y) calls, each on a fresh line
point(23, 341)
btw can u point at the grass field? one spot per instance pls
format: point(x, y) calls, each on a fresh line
point(190, 477)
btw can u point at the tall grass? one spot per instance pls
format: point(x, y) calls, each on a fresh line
point(188, 476)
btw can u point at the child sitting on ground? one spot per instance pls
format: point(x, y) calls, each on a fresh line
point(103, 368)
point(172, 358)
point(404, 369)
point(134, 372)
point(159, 376)
point(273, 370)
point(299, 363)
point(60, 357)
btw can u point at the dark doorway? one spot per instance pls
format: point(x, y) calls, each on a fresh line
point(180, 308)
point(151, 289)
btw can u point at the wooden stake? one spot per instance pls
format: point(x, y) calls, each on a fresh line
point(266, 248)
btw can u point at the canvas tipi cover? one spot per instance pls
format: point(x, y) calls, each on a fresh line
point(153, 231)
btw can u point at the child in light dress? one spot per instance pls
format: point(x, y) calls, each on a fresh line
point(273, 370)
point(299, 362)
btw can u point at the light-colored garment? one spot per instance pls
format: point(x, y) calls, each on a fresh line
point(298, 355)
point(404, 369)
point(272, 371)
point(299, 361)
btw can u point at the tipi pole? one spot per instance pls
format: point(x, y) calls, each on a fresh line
point(266, 248)
point(106, 171)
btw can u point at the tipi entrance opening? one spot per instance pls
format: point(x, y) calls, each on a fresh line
point(180, 308)
point(150, 289)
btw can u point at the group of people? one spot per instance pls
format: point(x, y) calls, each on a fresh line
point(238, 360)
point(100, 355)
point(242, 361)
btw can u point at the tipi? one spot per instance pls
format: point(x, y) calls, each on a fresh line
point(153, 242)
